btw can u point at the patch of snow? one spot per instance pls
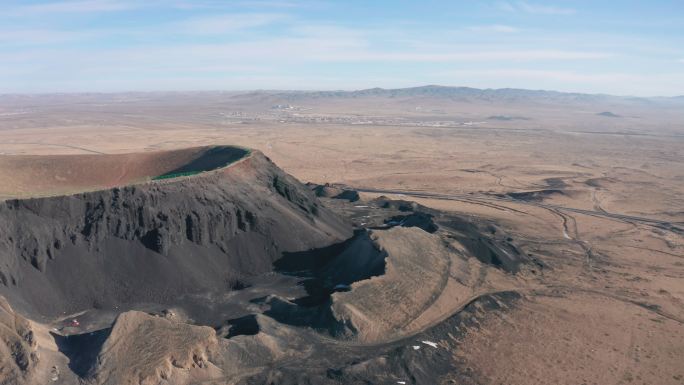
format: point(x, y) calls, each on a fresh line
point(433, 344)
point(416, 347)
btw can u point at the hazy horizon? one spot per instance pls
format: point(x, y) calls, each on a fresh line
point(616, 48)
point(304, 90)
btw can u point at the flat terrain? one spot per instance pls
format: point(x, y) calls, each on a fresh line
point(628, 164)
point(596, 199)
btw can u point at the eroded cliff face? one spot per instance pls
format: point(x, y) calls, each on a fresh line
point(17, 346)
point(154, 241)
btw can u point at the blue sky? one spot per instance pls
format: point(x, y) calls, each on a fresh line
point(618, 47)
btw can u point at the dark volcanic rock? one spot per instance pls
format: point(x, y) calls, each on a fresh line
point(608, 114)
point(328, 191)
point(155, 241)
point(534, 196)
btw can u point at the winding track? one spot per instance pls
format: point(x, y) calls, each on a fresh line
point(569, 230)
point(487, 199)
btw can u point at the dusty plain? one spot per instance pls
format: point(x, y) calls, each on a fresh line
point(595, 200)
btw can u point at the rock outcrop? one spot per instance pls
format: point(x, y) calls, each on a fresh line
point(143, 349)
point(18, 357)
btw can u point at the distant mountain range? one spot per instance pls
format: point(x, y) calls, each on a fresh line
point(465, 94)
point(476, 94)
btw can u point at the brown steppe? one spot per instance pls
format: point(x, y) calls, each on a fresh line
point(610, 308)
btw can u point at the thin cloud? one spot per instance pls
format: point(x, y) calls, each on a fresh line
point(505, 6)
point(198, 4)
point(466, 56)
point(80, 6)
point(42, 36)
point(59, 44)
point(290, 49)
point(565, 76)
point(220, 24)
point(618, 83)
point(329, 31)
point(533, 8)
point(272, 4)
point(495, 28)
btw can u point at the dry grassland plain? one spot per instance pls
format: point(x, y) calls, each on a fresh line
point(597, 198)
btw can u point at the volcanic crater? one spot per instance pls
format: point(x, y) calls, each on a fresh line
point(211, 263)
